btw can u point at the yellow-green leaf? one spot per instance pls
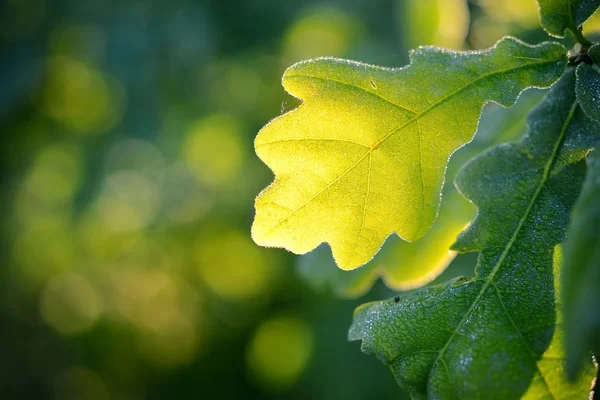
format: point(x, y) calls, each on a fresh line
point(401, 265)
point(364, 155)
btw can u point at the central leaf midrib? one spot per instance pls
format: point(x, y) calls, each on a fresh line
point(397, 129)
point(490, 278)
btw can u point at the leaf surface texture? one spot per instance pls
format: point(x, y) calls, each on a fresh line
point(494, 337)
point(364, 155)
point(401, 265)
point(558, 15)
point(581, 275)
point(405, 266)
point(588, 84)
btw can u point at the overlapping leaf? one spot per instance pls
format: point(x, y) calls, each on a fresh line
point(494, 337)
point(558, 15)
point(364, 155)
point(402, 265)
point(588, 84)
point(581, 283)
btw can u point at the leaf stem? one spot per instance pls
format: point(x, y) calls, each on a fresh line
point(579, 38)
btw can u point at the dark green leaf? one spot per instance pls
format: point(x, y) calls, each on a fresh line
point(581, 277)
point(558, 15)
point(494, 336)
point(588, 84)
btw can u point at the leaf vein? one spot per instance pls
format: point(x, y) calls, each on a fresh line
point(364, 213)
point(400, 127)
point(489, 279)
point(313, 139)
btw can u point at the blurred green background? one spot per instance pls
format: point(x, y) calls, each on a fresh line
point(127, 180)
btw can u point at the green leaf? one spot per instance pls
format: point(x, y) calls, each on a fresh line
point(558, 15)
point(581, 277)
point(401, 265)
point(588, 84)
point(364, 155)
point(492, 336)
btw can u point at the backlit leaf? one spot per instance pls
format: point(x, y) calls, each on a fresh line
point(401, 265)
point(494, 337)
point(558, 15)
point(364, 155)
point(581, 282)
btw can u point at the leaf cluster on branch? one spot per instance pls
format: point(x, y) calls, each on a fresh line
point(365, 156)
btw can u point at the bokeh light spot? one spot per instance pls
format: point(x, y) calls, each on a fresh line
point(324, 31)
point(435, 22)
point(171, 347)
point(134, 154)
point(233, 86)
point(233, 267)
point(485, 31)
point(280, 351)
point(164, 309)
point(184, 198)
point(130, 201)
point(55, 174)
point(214, 151)
point(70, 304)
point(43, 250)
point(524, 13)
point(81, 98)
point(502, 17)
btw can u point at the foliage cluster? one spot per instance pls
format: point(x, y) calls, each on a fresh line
point(365, 156)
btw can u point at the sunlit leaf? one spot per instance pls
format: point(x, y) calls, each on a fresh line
point(364, 156)
point(588, 84)
point(558, 15)
point(494, 336)
point(582, 271)
point(401, 265)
